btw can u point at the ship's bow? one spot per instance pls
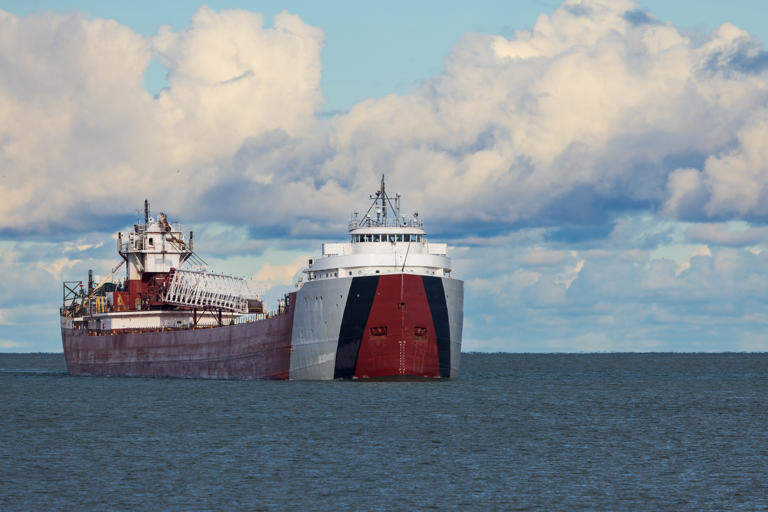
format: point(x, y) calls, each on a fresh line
point(401, 326)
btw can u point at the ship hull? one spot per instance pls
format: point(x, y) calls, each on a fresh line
point(257, 350)
point(381, 326)
point(392, 325)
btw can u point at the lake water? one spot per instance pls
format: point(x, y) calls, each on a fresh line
point(514, 432)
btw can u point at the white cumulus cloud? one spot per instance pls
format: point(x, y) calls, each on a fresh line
point(556, 160)
point(81, 139)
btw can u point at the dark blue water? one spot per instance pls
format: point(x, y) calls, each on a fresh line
point(514, 432)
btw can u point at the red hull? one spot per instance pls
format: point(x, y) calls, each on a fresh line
point(409, 348)
point(257, 350)
point(394, 326)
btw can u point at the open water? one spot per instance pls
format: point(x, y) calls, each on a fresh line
point(514, 432)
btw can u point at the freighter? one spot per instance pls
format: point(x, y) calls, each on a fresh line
point(382, 304)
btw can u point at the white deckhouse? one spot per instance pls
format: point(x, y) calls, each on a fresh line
point(382, 244)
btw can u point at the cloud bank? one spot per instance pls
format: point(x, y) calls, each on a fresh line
point(600, 164)
point(598, 110)
point(81, 139)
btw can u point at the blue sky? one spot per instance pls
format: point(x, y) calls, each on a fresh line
point(597, 167)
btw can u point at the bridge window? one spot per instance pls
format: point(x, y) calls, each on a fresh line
point(399, 238)
point(375, 238)
point(406, 238)
point(391, 238)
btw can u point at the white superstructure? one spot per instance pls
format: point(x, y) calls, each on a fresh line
point(382, 244)
point(154, 247)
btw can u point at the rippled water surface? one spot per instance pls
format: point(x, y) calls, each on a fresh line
point(514, 432)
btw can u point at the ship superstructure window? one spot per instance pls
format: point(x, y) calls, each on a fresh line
point(399, 237)
point(151, 242)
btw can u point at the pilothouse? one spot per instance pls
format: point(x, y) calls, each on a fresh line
point(382, 241)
